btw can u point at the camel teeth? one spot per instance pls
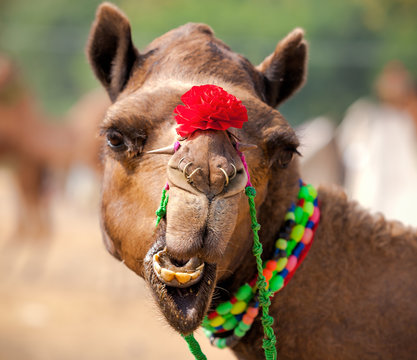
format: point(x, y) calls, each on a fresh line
point(183, 278)
point(200, 267)
point(195, 275)
point(157, 267)
point(167, 275)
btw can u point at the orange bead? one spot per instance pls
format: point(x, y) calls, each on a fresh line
point(252, 312)
point(247, 319)
point(268, 274)
point(271, 265)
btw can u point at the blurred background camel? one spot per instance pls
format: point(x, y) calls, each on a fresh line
point(39, 149)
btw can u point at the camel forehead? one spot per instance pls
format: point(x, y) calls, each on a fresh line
point(192, 54)
point(182, 36)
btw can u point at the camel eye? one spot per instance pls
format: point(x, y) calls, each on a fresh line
point(115, 140)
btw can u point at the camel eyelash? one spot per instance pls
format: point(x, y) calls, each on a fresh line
point(120, 143)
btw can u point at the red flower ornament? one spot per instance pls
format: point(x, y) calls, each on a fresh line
point(209, 107)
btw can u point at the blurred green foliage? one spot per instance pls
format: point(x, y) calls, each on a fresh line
point(350, 41)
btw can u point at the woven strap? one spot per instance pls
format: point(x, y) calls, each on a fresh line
point(194, 347)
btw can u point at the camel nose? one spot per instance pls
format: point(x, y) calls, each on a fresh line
point(222, 177)
point(207, 163)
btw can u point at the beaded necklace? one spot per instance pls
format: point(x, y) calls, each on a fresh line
point(237, 315)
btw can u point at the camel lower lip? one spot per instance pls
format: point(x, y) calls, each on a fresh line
point(183, 307)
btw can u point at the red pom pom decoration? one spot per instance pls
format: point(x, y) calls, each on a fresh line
point(209, 107)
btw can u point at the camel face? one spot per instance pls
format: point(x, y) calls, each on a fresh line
point(206, 232)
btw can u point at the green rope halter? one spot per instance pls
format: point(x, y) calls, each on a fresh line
point(264, 295)
point(269, 340)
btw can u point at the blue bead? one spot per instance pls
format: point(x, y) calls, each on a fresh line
point(240, 316)
point(309, 224)
point(292, 208)
point(300, 182)
point(218, 328)
point(256, 304)
point(276, 253)
point(284, 273)
point(316, 202)
point(298, 249)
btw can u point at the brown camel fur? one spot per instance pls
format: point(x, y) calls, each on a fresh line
point(37, 147)
point(354, 297)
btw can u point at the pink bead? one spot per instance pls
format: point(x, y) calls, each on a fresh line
point(292, 262)
point(308, 235)
point(252, 312)
point(316, 215)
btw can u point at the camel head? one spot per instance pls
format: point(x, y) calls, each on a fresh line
point(205, 237)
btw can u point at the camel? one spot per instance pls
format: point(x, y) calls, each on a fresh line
point(36, 145)
point(353, 297)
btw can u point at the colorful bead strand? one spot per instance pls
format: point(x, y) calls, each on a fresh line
point(294, 240)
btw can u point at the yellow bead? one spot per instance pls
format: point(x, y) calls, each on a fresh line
point(308, 208)
point(297, 232)
point(238, 307)
point(281, 244)
point(217, 321)
point(281, 263)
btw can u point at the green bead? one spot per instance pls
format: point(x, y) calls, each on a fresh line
point(297, 232)
point(276, 283)
point(230, 323)
point(304, 219)
point(207, 332)
point(243, 326)
point(220, 343)
point(281, 244)
point(239, 333)
point(290, 247)
point(290, 216)
point(206, 321)
point(224, 308)
point(244, 292)
point(281, 264)
point(303, 194)
point(298, 212)
point(308, 208)
point(312, 191)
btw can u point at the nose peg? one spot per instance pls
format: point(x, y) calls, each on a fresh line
point(189, 178)
point(226, 183)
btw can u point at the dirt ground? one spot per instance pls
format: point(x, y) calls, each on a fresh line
point(66, 298)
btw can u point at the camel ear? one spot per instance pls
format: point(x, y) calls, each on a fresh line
point(285, 69)
point(110, 50)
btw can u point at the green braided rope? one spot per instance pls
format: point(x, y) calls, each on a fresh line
point(194, 347)
point(264, 295)
point(162, 210)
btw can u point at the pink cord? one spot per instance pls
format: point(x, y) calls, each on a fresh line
point(176, 147)
point(245, 165)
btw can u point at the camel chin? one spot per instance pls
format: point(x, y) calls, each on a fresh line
point(182, 300)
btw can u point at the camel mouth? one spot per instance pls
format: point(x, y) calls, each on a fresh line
point(183, 304)
point(175, 274)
